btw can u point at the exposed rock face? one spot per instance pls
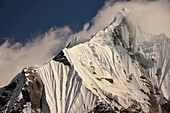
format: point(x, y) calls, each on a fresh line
point(61, 58)
point(120, 70)
point(23, 94)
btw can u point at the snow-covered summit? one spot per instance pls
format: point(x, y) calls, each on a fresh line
point(121, 69)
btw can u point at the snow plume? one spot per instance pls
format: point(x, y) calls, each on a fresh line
point(151, 16)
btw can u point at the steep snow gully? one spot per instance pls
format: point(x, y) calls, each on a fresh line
point(120, 70)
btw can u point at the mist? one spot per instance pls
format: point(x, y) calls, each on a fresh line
point(152, 16)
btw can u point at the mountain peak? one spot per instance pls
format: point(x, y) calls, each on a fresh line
point(121, 69)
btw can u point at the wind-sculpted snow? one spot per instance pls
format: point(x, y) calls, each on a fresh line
point(155, 52)
point(109, 72)
point(65, 91)
point(131, 68)
point(121, 69)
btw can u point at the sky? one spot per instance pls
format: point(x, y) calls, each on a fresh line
point(33, 32)
point(21, 20)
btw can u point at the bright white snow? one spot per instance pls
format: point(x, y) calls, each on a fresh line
point(103, 71)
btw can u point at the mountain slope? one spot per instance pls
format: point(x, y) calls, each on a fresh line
point(121, 69)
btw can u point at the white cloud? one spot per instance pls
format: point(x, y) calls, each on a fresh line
point(13, 58)
point(152, 17)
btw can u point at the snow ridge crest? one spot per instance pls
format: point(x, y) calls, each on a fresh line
point(121, 69)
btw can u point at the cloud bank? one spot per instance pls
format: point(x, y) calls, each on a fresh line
point(13, 58)
point(152, 16)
